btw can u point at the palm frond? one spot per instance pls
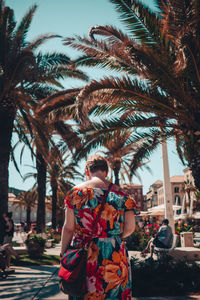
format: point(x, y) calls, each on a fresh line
point(69, 135)
point(15, 163)
point(52, 59)
point(57, 100)
point(23, 27)
point(130, 15)
point(102, 56)
point(41, 40)
point(29, 175)
point(144, 151)
point(113, 90)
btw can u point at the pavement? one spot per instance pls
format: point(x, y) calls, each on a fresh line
point(41, 282)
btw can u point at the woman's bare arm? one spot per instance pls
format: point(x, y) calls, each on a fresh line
point(67, 230)
point(129, 224)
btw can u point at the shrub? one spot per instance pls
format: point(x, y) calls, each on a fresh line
point(164, 277)
point(138, 240)
point(37, 239)
point(35, 246)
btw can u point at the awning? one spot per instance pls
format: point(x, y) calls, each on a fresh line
point(161, 208)
point(143, 213)
point(196, 215)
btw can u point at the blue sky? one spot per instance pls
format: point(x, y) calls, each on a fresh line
point(68, 18)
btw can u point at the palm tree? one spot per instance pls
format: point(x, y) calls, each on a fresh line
point(28, 199)
point(48, 158)
point(197, 201)
point(158, 63)
point(118, 147)
point(187, 190)
point(61, 172)
point(22, 77)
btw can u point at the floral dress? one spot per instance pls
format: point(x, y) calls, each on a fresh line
point(108, 275)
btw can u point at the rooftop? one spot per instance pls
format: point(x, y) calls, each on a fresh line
point(177, 178)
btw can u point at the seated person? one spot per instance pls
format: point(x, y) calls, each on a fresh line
point(9, 251)
point(163, 238)
point(32, 231)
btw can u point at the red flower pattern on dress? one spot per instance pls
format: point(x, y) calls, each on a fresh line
point(126, 295)
point(114, 271)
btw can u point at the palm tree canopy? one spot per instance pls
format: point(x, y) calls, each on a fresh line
point(158, 64)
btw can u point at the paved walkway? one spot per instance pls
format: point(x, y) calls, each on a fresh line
point(41, 282)
point(27, 283)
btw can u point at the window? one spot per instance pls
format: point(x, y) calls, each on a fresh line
point(176, 189)
point(177, 200)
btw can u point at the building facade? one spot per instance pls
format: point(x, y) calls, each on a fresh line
point(152, 195)
point(19, 211)
point(188, 175)
point(136, 191)
point(177, 185)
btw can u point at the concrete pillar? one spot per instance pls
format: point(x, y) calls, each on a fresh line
point(187, 239)
point(167, 187)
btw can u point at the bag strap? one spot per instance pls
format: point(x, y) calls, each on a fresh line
point(98, 214)
point(101, 207)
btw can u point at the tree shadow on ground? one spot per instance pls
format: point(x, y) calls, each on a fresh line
point(32, 283)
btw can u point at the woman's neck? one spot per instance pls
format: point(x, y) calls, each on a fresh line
point(95, 180)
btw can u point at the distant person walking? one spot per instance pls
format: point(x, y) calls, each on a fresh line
point(163, 238)
point(8, 228)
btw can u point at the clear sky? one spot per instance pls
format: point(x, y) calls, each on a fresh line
point(68, 18)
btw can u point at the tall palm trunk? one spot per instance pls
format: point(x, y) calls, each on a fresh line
point(54, 187)
point(188, 200)
point(195, 168)
point(28, 217)
point(6, 129)
point(116, 170)
point(116, 173)
point(41, 180)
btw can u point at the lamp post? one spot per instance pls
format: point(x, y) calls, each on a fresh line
point(167, 187)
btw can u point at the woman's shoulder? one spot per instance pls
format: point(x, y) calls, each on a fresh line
point(118, 190)
point(78, 194)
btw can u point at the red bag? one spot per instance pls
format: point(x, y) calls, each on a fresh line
point(73, 272)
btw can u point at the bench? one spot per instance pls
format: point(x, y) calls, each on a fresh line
point(162, 252)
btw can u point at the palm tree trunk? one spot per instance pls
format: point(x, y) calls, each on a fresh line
point(41, 180)
point(195, 168)
point(191, 205)
point(116, 173)
point(188, 203)
point(6, 129)
point(28, 217)
point(54, 188)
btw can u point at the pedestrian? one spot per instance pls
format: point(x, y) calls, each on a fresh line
point(9, 251)
point(8, 228)
point(32, 232)
point(163, 238)
point(107, 274)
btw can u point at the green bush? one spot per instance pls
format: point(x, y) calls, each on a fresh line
point(35, 246)
point(164, 277)
point(37, 239)
point(138, 240)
